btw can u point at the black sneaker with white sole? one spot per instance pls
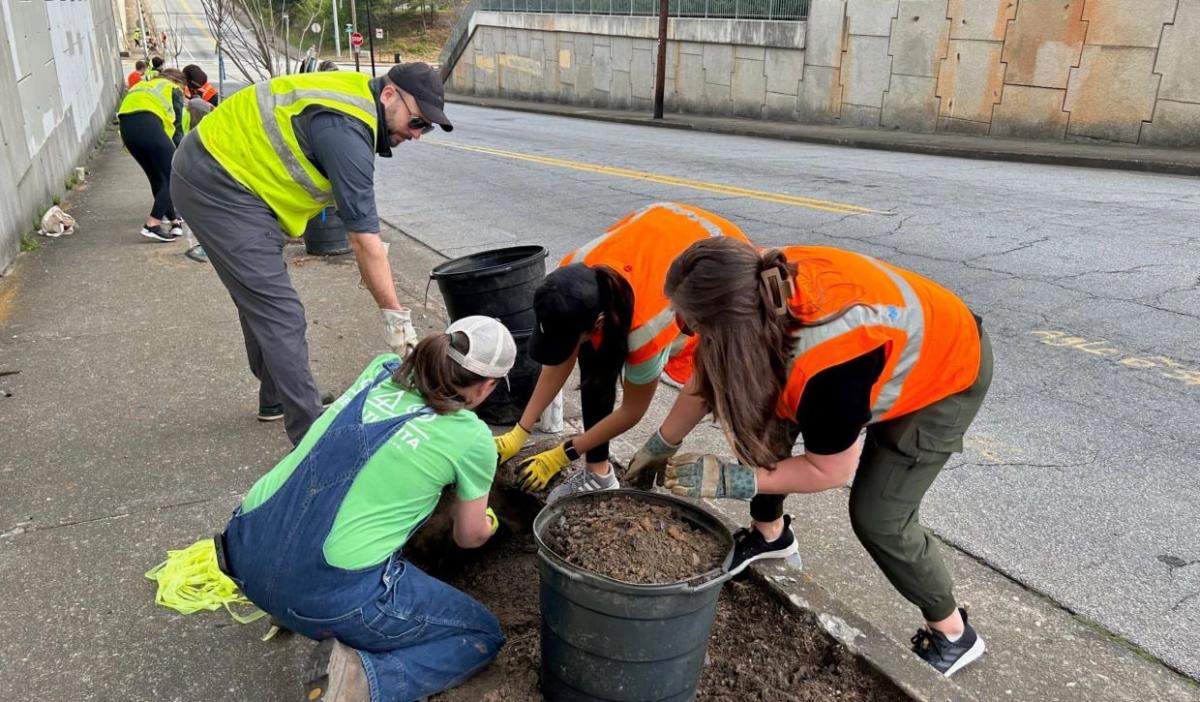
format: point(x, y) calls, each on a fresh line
point(750, 546)
point(946, 656)
point(271, 413)
point(157, 233)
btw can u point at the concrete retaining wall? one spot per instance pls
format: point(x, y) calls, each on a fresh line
point(60, 75)
point(1109, 70)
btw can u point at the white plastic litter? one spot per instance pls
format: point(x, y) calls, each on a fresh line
point(55, 223)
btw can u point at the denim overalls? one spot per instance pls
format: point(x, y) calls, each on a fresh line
point(415, 634)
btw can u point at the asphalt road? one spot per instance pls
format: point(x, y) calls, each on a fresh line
point(1079, 479)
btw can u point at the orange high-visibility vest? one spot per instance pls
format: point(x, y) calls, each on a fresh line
point(206, 92)
point(930, 338)
point(640, 248)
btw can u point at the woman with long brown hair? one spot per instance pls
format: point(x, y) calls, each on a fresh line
point(317, 541)
point(819, 343)
point(604, 309)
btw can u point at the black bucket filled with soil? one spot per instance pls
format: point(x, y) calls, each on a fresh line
point(326, 235)
point(629, 590)
point(500, 284)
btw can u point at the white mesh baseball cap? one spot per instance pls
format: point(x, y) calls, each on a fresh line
point(491, 351)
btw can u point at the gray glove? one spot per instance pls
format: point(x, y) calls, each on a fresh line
point(706, 475)
point(648, 463)
point(399, 331)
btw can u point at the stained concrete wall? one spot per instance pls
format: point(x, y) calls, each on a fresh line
point(1108, 70)
point(60, 75)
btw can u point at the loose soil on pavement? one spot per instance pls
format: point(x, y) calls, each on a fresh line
point(632, 540)
point(760, 650)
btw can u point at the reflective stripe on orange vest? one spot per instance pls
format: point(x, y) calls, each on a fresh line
point(641, 248)
point(930, 338)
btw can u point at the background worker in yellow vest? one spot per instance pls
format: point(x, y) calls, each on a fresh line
point(151, 119)
point(268, 160)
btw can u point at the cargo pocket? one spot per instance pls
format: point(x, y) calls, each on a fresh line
point(941, 440)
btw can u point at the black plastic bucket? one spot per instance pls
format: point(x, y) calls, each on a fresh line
point(326, 235)
point(607, 640)
point(506, 403)
point(498, 283)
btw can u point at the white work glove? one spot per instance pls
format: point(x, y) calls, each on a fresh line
point(399, 331)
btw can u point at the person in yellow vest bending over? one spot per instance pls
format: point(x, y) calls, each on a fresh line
point(604, 308)
point(151, 119)
point(819, 342)
point(260, 167)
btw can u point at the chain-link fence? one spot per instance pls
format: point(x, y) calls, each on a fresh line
point(786, 10)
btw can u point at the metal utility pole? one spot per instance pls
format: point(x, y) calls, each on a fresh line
point(287, 38)
point(660, 74)
point(337, 35)
point(371, 38)
point(145, 37)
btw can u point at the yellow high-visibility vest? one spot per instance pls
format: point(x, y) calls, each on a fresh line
point(153, 95)
point(251, 136)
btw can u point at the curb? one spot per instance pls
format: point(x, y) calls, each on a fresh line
point(1142, 159)
point(892, 661)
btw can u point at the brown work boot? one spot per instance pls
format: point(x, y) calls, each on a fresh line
point(335, 674)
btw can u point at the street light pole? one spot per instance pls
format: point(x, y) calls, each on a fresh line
point(371, 38)
point(337, 34)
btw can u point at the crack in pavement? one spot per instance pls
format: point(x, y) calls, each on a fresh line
point(28, 527)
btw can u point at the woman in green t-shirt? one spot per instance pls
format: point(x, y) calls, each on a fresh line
point(316, 541)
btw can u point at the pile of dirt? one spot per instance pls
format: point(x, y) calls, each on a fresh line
point(759, 651)
point(632, 540)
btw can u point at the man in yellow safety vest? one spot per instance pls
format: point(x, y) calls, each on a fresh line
point(269, 159)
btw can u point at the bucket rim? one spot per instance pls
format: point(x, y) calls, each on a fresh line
point(534, 252)
point(695, 584)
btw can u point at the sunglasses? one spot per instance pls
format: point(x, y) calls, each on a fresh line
point(420, 123)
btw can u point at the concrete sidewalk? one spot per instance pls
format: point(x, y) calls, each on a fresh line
point(1099, 155)
point(129, 430)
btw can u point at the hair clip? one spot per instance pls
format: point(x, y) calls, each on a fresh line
point(776, 291)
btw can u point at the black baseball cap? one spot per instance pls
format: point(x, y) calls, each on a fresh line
point(422, 82)
point(567, 305)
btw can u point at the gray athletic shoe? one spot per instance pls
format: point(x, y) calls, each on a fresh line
point(583, 480)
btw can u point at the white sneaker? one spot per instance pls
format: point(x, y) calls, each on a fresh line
point(584, 480)
point(177, 228)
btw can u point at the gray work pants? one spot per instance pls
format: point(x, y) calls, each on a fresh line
point(244, 243)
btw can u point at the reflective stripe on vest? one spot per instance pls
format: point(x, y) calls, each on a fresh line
point(253, 138)
point(654, 318)
point(152, 96)
point(929, 337)
point(910, 320)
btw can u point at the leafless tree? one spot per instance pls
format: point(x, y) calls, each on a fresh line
point(251, 34)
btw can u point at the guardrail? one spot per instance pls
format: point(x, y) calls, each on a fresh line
point(781, 10)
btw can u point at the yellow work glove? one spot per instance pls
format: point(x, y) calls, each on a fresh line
point(536, 471)
point(510, 443)
point(493, 520)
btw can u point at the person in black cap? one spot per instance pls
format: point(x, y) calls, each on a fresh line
point(271, 158)
point(605, 309)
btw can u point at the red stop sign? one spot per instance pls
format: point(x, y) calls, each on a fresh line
point(356, 39)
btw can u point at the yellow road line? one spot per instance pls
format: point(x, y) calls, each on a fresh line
point(720, 188)
point(202, 26)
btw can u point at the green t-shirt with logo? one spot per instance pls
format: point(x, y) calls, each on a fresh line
point(400, 485)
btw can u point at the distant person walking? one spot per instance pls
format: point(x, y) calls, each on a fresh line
point(137, 75)
point(260, 167)
point(152, 124)
point(137, 37)
point(197, 83)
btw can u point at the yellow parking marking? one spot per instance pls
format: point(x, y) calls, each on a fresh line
point(1168, 367)
point(719, 188)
